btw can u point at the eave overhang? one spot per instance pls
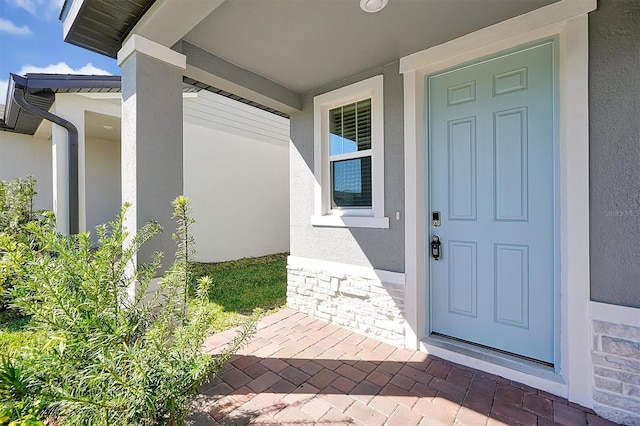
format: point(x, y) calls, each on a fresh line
point(101, 25)
point(40, 90)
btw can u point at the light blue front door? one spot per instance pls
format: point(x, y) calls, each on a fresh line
point(491, 178)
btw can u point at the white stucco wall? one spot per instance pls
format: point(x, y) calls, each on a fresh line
point(22, 155)
point(236, 172)
point(102, 180)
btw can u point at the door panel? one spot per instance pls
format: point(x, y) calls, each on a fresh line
point(511, 164)
point(512, 285)
point(463, 278)
point(462, 169)
point(491, 164)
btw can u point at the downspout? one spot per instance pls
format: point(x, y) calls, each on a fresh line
point(19, 98)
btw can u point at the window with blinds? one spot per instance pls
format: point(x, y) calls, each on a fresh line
point(350, 155)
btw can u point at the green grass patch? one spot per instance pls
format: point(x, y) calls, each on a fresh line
point(240, 286)
point(15, 334)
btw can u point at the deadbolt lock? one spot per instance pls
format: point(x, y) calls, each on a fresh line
point(435, 219)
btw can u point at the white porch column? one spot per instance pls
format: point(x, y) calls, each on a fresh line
point(151, 139)
point(65, 107)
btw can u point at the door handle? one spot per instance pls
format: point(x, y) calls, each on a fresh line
point(435, 247)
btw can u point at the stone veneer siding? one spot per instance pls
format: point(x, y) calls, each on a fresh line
point(616, 367)
point(364, 305)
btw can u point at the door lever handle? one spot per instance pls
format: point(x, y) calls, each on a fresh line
point(435, 247)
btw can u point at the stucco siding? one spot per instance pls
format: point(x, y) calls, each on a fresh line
point(235, 168)
point(236, 174)
point(22, 155)
point(614, 103)
point(152, 130)
point(102, 177)
point(378, 248)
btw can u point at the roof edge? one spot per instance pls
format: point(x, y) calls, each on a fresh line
point(41, 88)
point(78, 23)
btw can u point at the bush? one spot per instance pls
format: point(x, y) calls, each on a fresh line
point(113, 357)
point(16, 204)
point(16, 242)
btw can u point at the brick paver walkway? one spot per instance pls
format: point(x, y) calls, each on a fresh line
point(300, 370)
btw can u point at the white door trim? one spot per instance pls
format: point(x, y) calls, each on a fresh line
point(566, 19)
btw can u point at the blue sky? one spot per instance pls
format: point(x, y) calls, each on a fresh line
point(31, 41)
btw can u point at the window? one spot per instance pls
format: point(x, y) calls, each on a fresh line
point(349, 156)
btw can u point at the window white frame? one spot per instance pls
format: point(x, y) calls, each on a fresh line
point(324, 214)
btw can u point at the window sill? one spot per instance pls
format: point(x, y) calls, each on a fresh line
point(335, 221)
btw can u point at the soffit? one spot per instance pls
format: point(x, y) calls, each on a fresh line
point(41, 89)
point(96, 126)
point(25, 121)
point(101, 126)
point(307, 44)
point(104, 24)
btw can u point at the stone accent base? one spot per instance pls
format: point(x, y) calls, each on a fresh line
point(616, 368)
point(353, 297)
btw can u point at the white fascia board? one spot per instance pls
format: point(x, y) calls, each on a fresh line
point(137, 43)
point(168, 21)
point(546, 16)
point(71, 17)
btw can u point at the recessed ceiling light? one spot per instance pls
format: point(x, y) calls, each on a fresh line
point(108, 127)
point(372, 6)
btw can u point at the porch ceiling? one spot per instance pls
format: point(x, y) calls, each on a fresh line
point(306, 44)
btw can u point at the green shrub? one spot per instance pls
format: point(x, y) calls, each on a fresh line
point(112, 356)
point(16, 241)
point(16, 204)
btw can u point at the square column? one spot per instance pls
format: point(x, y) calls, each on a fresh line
point(60, 169)
point(152, 118)
point(71, 111)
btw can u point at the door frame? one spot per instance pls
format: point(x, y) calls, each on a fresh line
point(555, 168)
point(568, 21)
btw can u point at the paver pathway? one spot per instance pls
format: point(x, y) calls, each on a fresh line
point(300, 370)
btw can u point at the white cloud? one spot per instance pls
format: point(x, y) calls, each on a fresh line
point(59, 68)
point(9, 27)
point(62, 68)
point(28, 5)
point(36, 7)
